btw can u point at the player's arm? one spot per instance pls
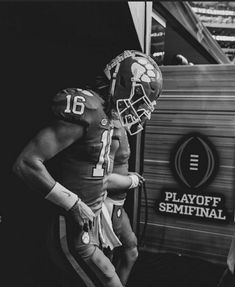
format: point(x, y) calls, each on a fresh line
point(30, 166)
point(118, 182)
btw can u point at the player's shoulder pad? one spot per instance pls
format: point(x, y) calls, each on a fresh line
point(75, 105)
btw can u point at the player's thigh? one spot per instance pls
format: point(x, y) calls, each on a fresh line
point(100, 264)
point(122, 227)
point(102, 267)
point(89, 252)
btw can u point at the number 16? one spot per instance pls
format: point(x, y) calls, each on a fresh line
point(77, 106)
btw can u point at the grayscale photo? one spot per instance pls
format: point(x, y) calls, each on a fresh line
point(118, 143)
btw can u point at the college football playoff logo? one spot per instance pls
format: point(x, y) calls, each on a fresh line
point(194, 161)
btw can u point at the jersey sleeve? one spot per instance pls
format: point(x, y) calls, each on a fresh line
point(74, 105)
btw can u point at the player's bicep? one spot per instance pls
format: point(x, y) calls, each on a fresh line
point(53, 139)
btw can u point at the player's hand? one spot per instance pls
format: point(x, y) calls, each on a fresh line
point(82, 213)
point(141, 178)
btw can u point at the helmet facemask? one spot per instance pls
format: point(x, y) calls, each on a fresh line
point(134, 111)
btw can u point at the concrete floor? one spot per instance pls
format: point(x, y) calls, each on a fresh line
point(168, 270)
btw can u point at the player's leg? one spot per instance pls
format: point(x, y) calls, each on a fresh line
point(228, 277)
point(103, 268)
point(126, 255)
point(84, 245)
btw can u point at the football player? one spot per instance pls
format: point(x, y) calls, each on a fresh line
point(81, 134)
point(144, 92)
point(125, 256)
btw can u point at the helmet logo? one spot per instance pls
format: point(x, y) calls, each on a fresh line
point(151, 73)
point(142, 71)
point(137, 71)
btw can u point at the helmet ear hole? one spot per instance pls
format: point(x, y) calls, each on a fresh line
point(122, 82)
point(153, 87)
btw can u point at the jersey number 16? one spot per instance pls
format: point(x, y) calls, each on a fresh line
point(76, 105)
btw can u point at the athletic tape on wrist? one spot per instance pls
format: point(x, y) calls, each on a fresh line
point(61, 196)
point(134, 181)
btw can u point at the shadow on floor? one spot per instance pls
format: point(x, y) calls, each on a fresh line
point(168, 270)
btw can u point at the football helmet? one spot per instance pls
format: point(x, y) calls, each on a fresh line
point(135, 85)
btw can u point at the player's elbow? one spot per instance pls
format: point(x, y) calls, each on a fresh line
point(18, 166)
point(22, 166)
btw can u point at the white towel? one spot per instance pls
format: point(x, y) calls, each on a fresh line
point(107, 235)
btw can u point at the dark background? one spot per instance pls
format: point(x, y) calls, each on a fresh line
point(44, 47)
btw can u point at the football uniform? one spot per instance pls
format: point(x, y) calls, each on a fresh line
point(119, 156)
point(84, 164)
point(135, 83)
point(83, 167)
